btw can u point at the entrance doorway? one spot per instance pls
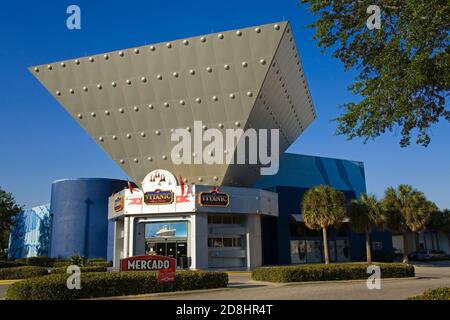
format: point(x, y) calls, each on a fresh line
point(173, 249)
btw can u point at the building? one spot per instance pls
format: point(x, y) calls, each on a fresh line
point(80, 217)
point(241, 213)
point(30, 234)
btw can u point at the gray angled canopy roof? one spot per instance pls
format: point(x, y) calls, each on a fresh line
point(130, 100)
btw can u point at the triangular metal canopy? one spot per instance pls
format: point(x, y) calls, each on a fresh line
point(131, 100)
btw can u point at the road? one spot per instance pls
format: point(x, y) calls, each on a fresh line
point(242, 287)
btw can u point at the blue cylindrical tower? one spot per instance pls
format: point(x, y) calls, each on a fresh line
point(80, 216)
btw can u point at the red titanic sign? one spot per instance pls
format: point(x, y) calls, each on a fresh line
point(165, 266)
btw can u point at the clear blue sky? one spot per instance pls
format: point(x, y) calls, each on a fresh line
point(39, 142)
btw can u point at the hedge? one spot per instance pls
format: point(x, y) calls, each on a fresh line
point(37, 261)
point(89, 263)
point(434, 294)
point(10, 264)
point(53, 287)
point(322, 272)
point(82, 269)
point(22, 272)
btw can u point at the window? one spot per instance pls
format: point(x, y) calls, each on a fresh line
point(227, 219)
point(227, 242)
point(216, 219)
point(220, 242)
point(217, 242)
point(224, 219)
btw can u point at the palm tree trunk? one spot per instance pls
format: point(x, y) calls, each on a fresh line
point(405, 247)
point(368, 248)
point(325, 246)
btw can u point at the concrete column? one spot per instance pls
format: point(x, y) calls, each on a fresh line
point(131, 237)
point(199, 241)
point(118, 243)
point(126, 236)
point(254, 241)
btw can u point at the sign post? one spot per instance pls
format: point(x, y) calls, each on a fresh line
point(166, 266)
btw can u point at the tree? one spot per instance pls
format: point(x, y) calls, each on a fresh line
point(365, 214)
point(323, 207)
point(440, 221)
point(404, 67)
point(407, 210)
point(8, 210)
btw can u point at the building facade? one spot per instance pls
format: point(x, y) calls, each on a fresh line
point(31, 232)
point(243, 212)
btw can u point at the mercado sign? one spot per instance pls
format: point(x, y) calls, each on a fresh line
point(165, 266)
point(158, 197)
point(214, 198)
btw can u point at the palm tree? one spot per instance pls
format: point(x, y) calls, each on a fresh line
point(365, 214)
point(323, 207)
point(407, 210)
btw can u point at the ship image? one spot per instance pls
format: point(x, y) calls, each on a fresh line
point(165, 231)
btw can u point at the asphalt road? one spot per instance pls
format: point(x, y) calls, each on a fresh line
point(242, 287)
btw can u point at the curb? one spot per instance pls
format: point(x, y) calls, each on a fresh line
point(159, 294)
point(7, 282)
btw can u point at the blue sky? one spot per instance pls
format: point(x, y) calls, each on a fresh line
point(39, 142)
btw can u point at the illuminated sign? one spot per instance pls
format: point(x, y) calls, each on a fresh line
point(118, 203)
point(214, 198)
point(158, 197)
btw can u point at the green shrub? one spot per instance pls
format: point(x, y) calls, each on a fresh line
point(22, 272)
point(104, 264)
point(10, 264)
point(53, 287)
point(82, 269)
point(78, 260)
point(96, 260)
point(434, 294)
point(322, 272)
point(41, 261)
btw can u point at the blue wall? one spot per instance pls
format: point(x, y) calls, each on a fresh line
point(80, 217)
point(297, 174)
point(30, 234)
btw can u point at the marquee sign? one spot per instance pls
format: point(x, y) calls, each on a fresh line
point(159, 179)
point(118, 203)
point(158, 197)
point(214, 198)
point(165, 266)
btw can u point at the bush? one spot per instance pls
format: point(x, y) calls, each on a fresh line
point(78, 260)
point(97, 260)
point(82, 269)
point(321, 272)
point(61, 263)
point(22, 272)
point(10, 264)
point(104, 264)
point(434, 294)
point(37, 261)
point(53, 287)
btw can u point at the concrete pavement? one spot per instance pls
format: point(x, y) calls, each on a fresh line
point(241, 287)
